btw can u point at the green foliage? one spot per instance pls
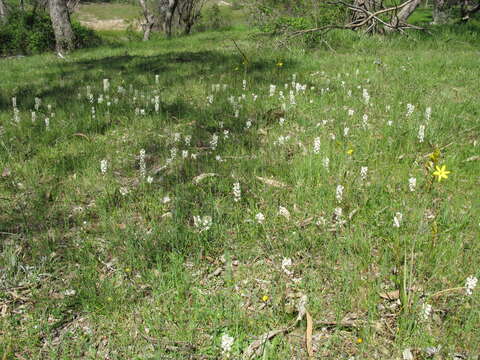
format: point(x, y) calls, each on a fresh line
point(213, 18)
point(131, 32)
point(277, 16)
point(32, 33)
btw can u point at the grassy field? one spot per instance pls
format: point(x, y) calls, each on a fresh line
point(199, 195)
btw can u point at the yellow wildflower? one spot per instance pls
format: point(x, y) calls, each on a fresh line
point(441, 172)
point(279, 64)
point(435, 156)
point(265, 298)
point(350, 151)
point(359, 340)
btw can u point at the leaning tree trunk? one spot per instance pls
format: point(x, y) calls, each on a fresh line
point(3, 12)
point(442, 11)
point(402, 16)
point(61, 25)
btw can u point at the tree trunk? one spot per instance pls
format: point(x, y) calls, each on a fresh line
point(149, 20)
point(368, 5)
point(169, 10)
point(188, 28)
point(442, 11)
point(403, 15)
point(3, 12)
point(61, 25)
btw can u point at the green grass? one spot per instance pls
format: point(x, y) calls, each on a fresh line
point(90, 273)
point(107, 11)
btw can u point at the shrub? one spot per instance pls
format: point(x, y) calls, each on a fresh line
point(212, 18)
point(26, 32)
point(280, 16)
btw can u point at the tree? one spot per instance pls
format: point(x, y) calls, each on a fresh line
point(62, 27)
point(442, 11)
point(167, 9)
point(189, 13)
point(150, 20)
point(467, 10)
point(402, 16)
point(3, 12)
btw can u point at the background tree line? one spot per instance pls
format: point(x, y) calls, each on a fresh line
point(23, 19)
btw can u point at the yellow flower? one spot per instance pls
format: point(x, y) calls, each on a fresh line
point(350, 151)
point(441, 173)
point(359, 340)
point(127, 270)
point(435, 155)
point(265, 298)
point(279, 64)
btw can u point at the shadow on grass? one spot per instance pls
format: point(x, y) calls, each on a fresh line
point(176, 69)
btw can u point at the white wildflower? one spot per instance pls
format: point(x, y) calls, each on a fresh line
point(214, 141)
point(34, 116)
point(143, 166)
point(16, 115)
point(286, 263)
point(203, 223)
point(47, 123)
point(260, 218)
point(339, 193)
point(326, 163)
point(227, 343)
point(292, 98)
point(470, 284)
point(244, 84)
point(407, 354)
point(337, 212)
point(428, 114)
point(346, 131)
point(187, 139)
point(397, 219)
point(166, 199)
point(282, 211)
point(272, 90)
point(363, 172)
point(38, 102)
point(281, 121)
point(421, 133)
point(365, 121)
point(184, 154)
point(106, 85)
point(237, 192)
point(410, 109)
point(316, 146)
point(412, 184)
point(366, 96)
point(157, 79)
point(426, 311)
point(157, 103)
point(248, 124)
point(103, 166)
point(124, 191)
